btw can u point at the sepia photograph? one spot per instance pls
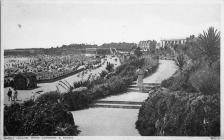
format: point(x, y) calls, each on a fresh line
point(111, 68)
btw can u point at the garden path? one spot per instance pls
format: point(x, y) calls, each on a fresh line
point(116, 115)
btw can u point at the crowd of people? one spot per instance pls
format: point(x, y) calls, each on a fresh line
point(45, 65)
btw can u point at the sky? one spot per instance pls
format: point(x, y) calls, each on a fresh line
point(45, 24)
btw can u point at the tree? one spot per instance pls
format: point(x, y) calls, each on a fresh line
point(209, 44)
point(152, 46)
point(138, 52)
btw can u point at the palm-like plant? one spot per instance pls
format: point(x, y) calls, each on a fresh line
point(180, 61)
point(66, 86)
point(210, 44)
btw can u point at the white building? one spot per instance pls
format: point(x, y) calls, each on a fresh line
point(171, 42)
point(147, 44)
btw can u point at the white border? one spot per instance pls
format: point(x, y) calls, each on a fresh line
point(221, 2)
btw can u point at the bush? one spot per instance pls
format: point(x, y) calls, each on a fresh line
point(49, 98)
point(167, 82)
point(116, 85)
point(38, 119)
point(103, 74)
point(97, 92)
point(189, 77)
point(216, 67)
point(109, 67)
point(129, 70)
point(180, 81)
point(138, 52)
point(89, 83)
point(180, 61)
point(76, 100)
point(78, 84)
point(206, 80)
point(179, 114)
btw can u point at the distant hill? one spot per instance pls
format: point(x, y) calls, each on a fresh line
point(71, 49)
point(120, 46)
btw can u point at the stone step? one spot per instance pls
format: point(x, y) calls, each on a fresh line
point(146, 85)
point(137, 90)
point(147, 89)
point(119, 102)
point(116, 106)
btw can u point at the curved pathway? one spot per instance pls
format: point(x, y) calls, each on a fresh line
point(116, 115)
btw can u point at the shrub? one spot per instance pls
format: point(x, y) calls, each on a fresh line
point(206, 80)
point(216, 67)
point(180, 61)
point(137, 62)
point(78, 84)
point(97, 92)
point(38, 119)
point(89, 83)
point(103, 74)
point(134, 64)
point(138, 52)
point(49, 98)
point(128, 71)
point(179, 114)
point(76, 100)
point(179, 82)
point(116, 85)
point(109, 67)
point(167, 82)
point(128, 80)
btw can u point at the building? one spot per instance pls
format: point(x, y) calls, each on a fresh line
point(147, 45)
point(171, 42)
point(144, 45)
